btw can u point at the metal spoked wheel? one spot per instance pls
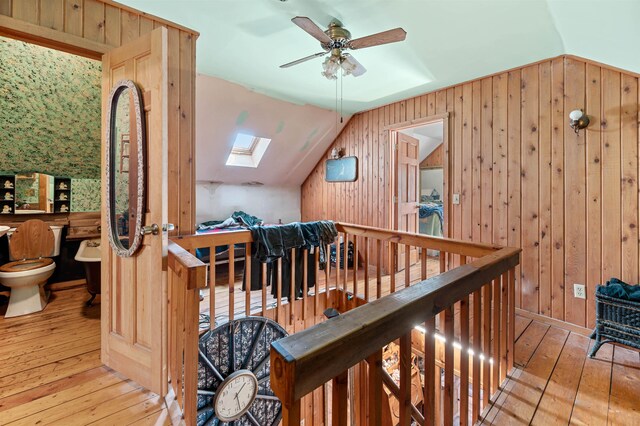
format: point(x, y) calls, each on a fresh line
point(242, 344)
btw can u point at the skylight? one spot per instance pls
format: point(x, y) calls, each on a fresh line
point(247, 150)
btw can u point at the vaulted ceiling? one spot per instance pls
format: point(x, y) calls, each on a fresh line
point(448, 42)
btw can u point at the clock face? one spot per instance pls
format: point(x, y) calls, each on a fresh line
point(235, 395)
point(234, 372)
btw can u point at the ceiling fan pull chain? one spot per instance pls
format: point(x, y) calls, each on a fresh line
point(341, 93)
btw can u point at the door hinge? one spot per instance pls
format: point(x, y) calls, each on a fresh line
point(395, 199)
point(395, 146)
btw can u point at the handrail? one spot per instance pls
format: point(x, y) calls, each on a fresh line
point(449, 245)
point(186, 266)
point(465, 248)
point(299, 361)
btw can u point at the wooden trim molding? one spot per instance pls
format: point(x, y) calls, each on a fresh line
point(50, 38)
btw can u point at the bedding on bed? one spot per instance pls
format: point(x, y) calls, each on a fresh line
point(238, 220)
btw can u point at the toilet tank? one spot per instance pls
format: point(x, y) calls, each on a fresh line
point(57, 235)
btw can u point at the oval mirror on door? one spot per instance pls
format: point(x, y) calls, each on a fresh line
point(125, 168)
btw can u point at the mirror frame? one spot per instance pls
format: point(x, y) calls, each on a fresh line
point(139, 198)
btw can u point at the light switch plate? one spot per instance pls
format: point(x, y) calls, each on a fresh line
point(579, 291)
point(456, 199)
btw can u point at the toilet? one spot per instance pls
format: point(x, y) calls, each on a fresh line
point(31, 246)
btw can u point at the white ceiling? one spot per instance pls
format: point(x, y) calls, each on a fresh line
point(448, 41)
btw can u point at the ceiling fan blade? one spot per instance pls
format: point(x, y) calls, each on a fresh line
point(310, 27)
point(299, 61)
point(390, 36)
point(356, 67)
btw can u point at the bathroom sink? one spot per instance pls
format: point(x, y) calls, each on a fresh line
point(3, 230)
point(30, 211)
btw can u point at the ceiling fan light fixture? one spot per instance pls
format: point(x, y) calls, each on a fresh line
point(348, 66)
point(330, 67)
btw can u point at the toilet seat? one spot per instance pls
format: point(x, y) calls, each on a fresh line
point(26, 265)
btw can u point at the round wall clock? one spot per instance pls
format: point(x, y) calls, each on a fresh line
point(233, 374)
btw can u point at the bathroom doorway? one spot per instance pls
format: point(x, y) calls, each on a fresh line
point(134, 291)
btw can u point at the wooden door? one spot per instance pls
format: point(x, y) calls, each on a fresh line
point(134, 289)
point(406, 199)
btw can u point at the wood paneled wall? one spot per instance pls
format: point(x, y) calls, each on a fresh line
point(435, 159)
point(91, 28)
point(525, 179)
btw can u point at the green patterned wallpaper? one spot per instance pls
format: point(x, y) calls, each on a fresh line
point(85, 195)
point(50, 107)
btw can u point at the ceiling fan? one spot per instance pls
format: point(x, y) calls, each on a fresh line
point(335, 40)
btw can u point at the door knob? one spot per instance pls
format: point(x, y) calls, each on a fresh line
point(153, 229)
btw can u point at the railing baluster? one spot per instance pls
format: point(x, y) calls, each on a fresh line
point(279, 318)
point(464, 361)
point(429, 373)
point(232, 281)
point(476, 335)
point(512, 318)
point(404, 398)
point(423, 263)
point(375, 388)
point(503, 327)
point(305, 283)
point(247, 279)
point(264, 289)
point(486, 344)
point(392, 267)
point(339, 387)
point(292, 288)
point(379, 269)
point(338, 258)
point(448, 366)
point(366, 269)
point(407, 265)
point(316, 288)
point(464, 355)
point(355, 267)
point(495, 353)
point(327, 271)
point(345, 269)
point(212, 288)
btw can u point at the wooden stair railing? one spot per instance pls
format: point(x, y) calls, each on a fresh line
point(307, 360)
point(465, 294)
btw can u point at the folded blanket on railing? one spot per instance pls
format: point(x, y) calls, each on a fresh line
point(620, 290)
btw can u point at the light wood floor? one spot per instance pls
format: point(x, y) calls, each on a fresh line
point(556, 383)
point(50, 371)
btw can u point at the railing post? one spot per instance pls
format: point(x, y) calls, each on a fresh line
point(429, 406)
point(512, 319)
point(375, 388)
point(192, 311)
point(339, 399)
point(448, 366)
point(404, 399)
point(291, 414)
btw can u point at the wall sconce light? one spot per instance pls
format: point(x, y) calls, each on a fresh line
point(578, 120)
point(337, 153)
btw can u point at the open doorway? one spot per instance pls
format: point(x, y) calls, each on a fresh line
point(420, 180)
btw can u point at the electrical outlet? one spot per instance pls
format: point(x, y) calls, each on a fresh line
point(456, 198)
point(579, 291)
